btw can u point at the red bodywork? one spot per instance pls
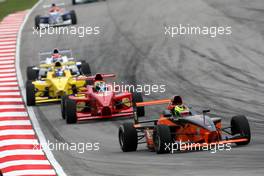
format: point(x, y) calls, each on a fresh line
point(99, 105)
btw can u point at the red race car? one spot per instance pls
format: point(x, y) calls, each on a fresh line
point(100, 100)
point(179, 127)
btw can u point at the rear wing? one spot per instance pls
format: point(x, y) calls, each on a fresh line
point(47, 54)
point(98, 76)
point(49, 5)
point(153, 102)
point(148, 103)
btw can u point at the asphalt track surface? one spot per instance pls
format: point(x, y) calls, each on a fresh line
point(223, 73)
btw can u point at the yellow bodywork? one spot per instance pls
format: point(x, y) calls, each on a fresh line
point(51, 88)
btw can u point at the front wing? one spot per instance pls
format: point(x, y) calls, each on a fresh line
point(88, 116)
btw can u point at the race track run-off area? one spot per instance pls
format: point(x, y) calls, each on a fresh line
point(19, 154)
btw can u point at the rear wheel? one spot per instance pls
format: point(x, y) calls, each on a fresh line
point(31, 73)
point(162, 139)
point(128, 138)
point(137, 97)
point(30, 94)
point(63, 106)
point(240, 125)
point(85, 69)
point(73, 2)
point(70, 111)
point(73, 17)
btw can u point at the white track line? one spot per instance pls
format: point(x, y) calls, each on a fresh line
point(8, 36)
point(7, 70)
point(8, 79)
point(9, 88)
point(17, 132)
point(22, 162)
point(12, 106)
point(7, 57)
point(7, 74)
point(9, 142)
point(8, 42)
point(7, 46)
point(7, 62)
point(7, 50)
point(48, 172)
point(9, 93)
point(11, 99)
point(8, 84)
point(8, 39)
point(31, 112)
point(7, 66)
point(14, 123)
point(20, 152)
point(7, 54)
point(13, 114)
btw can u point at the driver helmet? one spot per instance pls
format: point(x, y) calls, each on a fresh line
point(56, 55)
point(100, 86)
point(59, 72)
point(181, 110)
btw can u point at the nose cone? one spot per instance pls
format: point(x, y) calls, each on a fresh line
point(105, 98)
point(60, 83)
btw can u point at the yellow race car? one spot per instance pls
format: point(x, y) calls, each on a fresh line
point(57, 80)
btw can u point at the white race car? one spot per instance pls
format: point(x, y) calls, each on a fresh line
point(49, 59)
point(56, 17)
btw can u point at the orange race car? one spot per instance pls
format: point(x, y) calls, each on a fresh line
point(180, 126)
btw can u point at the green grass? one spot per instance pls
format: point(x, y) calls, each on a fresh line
point(11, 6)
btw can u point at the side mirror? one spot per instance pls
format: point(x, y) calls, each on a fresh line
point(204, 112)
point(167, 113)
point(135, 117)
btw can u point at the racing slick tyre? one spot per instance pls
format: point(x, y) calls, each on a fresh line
point(73, 17)
point(162, 139)
point(240, 125)
point(79, 66)
point(63, 106)
point(30, 94)
point(128, 138)
point(137, 97)
point(85, 69)
point(37, 21)
point(32, 74)
point(70, 110)
point(73, 2)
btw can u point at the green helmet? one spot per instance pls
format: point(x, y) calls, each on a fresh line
point(178, 109)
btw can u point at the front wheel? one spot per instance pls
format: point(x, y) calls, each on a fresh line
point(128, 138)
point(31, 73)
point(73, 17)
point(85, 69)
point(37, 21)
point(137, 97)
point(30, 94)
point(240, 125)
point(63, 106)
point(71, 116)
point(162, 139)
